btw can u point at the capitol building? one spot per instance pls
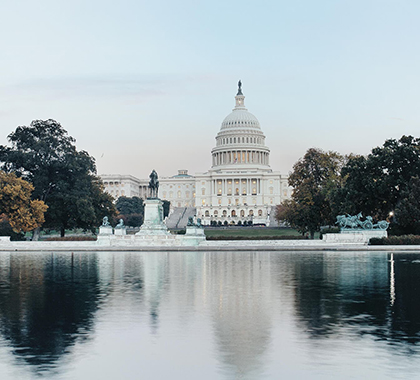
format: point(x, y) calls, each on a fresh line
point(239, 188)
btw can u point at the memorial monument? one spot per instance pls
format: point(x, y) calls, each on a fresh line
point(355, 230)
point(153, 224)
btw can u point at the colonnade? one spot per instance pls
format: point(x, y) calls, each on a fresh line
point(240, 157)
point(236, 186)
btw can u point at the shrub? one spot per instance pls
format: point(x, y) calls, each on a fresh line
point(6, 230)
point(396, 240)
point(285, 237)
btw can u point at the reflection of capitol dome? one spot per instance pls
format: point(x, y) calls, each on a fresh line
point(240, 140)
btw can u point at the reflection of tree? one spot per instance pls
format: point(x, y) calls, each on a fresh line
point(46, 303)
point(333, 292)
point(241, 319)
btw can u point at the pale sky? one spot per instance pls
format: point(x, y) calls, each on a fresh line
point(146, 84)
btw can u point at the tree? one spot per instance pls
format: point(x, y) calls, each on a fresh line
point(407, 212)
point(127, 206)
point(314, 179)
point(64, 178)
point(16, 205)
point(166, 207)
point(377, 183)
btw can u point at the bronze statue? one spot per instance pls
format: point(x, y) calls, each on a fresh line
point(153, 184)
point(239, 88)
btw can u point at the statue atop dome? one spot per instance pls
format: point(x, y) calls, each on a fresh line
point(239, 88)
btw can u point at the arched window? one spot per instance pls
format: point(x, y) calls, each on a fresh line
point(259, 212)
point(215, 213)
point(179, 194)
point(233, 213)
point(242, 213)
point(207, 214)
point(224, 213)
point(251, 212)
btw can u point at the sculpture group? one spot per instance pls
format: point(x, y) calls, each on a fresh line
point(347, 222)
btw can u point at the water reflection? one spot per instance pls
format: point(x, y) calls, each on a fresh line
point(47, 302)
point(239, 314)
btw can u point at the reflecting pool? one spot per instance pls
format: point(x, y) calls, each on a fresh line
point(209, 315)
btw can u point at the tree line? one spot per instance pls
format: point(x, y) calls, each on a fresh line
point(385, 184)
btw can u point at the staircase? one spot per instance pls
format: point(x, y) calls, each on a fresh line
point(179, 217)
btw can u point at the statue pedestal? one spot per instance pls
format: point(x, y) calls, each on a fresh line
point(105, 230)
point(354, 236)
point(153, 219)
point(122, 231)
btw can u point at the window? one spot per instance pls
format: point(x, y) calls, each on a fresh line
point(203, 191)
point(187, 194)
point(251, 212)
point(254, 191)
point(229, 191)
point(242, 213)
point(237, 191)
point(224, 213)
point(271, 190)
point(219, 201)
point(244, 191)
point(203, 202)
point(219, 192)
point(179, 194)
point(233, 213)
point(215, 213)
point(207, 214)
point(259, 212)
point(236, 201)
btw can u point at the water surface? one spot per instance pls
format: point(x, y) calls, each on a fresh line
point(215, 315)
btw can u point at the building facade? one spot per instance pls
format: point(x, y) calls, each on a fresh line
point(239, 188)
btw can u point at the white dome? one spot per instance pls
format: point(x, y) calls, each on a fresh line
point(240, 118)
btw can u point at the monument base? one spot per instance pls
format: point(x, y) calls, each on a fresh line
point(120, 231)
point(153, 219)
point(105, 230)
point(349, 236)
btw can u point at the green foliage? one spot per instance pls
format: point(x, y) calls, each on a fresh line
point(314, 179)
point(408, 209)
point(64, 178)
point(134, 220)
point(375, 185)
point(166, 208)
point(131, 210)
point(6, 230)
point(127, 206)
point(396, 240)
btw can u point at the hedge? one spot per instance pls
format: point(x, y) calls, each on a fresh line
point(396, 240)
